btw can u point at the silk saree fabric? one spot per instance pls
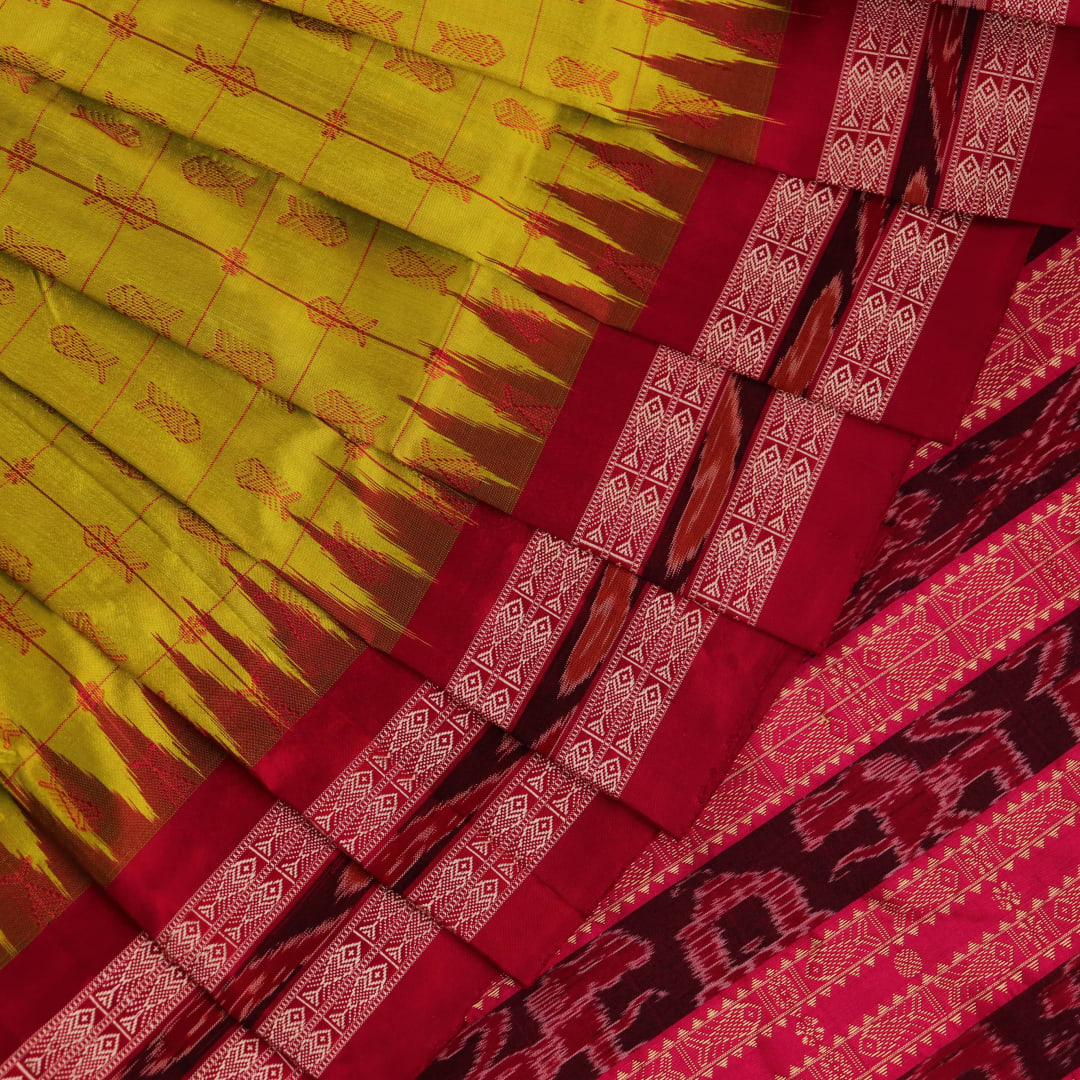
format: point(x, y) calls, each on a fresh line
point(434, 438)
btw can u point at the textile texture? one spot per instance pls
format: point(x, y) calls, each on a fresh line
point(539, 541)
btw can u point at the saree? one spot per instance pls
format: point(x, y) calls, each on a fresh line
point(482, 487)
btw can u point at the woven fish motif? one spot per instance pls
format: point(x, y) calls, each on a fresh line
point(484, 50)
point(638, 174)
point(423, 270)
point(430, 73)
point(355, 419)
point(101, 540)
point(336, 35)
point(531, 412)
point(48, 260)
point(17, 77)
point(307, 219)
point(15, 564)
point(115, 460)
point(156, 313)
point(255, 365)
point(205, 533)
point(123, 204)
point(135, 109)
point(235, 79)
point(218, 179)
point(372, 19)
point(701, 111)
point(117, 130)
point(340, 320)
point(569, 74)
point(165, 411)
point(86, 355)
point(428, 168)
point(23, 70)
point(17, 628)
point(363, 565)
point(522, 320)
point(84, 624)
point(520, 118)
point(269, 488)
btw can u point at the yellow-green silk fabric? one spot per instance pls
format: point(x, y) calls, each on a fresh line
point(282, 293)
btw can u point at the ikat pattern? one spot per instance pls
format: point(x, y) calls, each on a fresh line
point(1019, 458)
point(746, 899)
point(492, 857)
point(769, 275)
point(875, 83)
point(909, 660)
point(889, 309)
point(650, 458)
point(244, 1056)
point(957, 926)
point(1036, 341)
point(1051, 11)
point(107, 1022)
point(251, 889)
point(608, 737)
point(411, 753)
point(1035, 1036)
point(521, 631)
point(759, 521)
point(348, 980)
point(1009, 68)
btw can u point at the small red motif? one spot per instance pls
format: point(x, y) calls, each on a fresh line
point(21, 155)
point(124, 204)
point(49, 260)
point(221, 180)
point(101, 540)
point(269, 488)
point(117, 130)
point(15, 564)
point(423, 270)
point(372, 19)
point(309, 220)
point(520, 118)
point(334, 123)
point(340, 320)
point(165, 411)
point(233, 261)
point(358, 421)
point(19, 471)
point(483, 50)
point(131, 301)
point(703, 112)
point(334, 34)
point(569, 74)
point(430, 73)
point(84, 353)
point(427, 168)
point(233, 78)
point(255, 365)
point(122, 25)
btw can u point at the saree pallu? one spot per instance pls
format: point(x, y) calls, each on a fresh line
point(927, 730)
point(416, 488)
point(184, 928)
